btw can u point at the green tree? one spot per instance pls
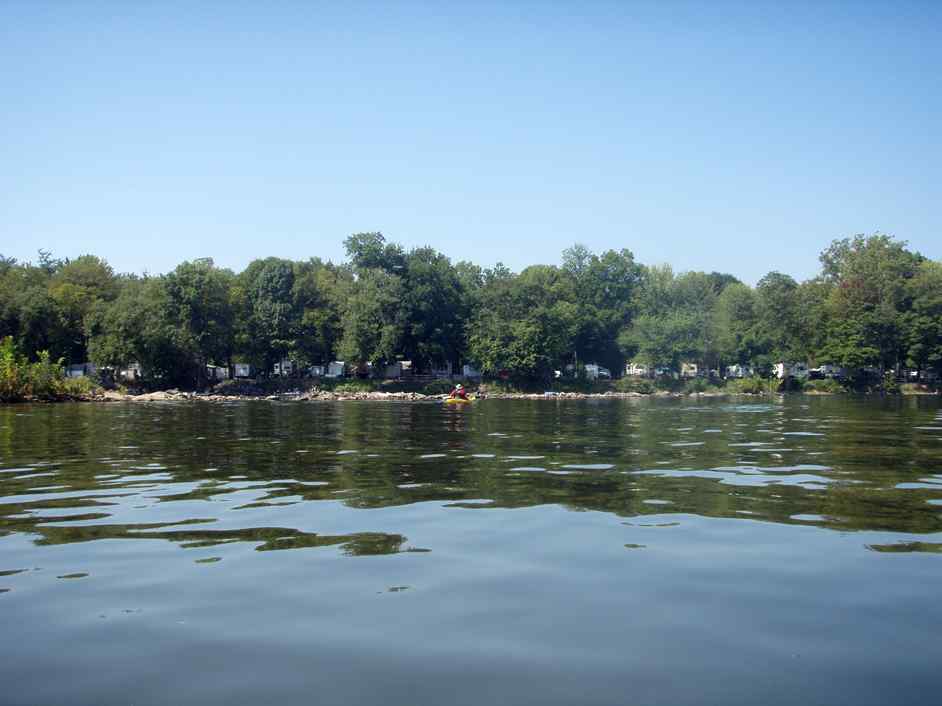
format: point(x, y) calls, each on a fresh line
point(372, 319)
point(199, 310)
point(266, 314)
point(369, 251)
point(524, 325)
point(134, 328)
point(734, 322)
point(319, 293)
point(870, 294)
point(434, 309)
point(74, 288)
point(602, 288)
point(923, 323)
point(777, 319)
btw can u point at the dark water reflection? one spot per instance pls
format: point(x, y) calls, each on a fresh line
point(659, 551)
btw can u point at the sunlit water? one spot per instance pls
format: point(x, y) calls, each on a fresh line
point(514, 552)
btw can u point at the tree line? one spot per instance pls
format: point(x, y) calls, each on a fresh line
point(874, 303)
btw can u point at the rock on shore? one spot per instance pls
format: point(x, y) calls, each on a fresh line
point(329, 396)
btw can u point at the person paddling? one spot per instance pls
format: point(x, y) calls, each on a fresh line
point(459, 393)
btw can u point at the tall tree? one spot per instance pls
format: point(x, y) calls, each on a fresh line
point(870, 294)
point(602, 289)
point(433, 308)
point(266, 311)
point(372, 319)
point(201, 313)
point(923, 323)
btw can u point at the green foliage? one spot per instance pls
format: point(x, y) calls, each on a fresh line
point(266, 311)
point(748, 386)
point(353, 386)
point(372, 319)
point(890, 385)
point(734, 324)
point(875, 304)
point(41, 379)
point(138, 328)
point(45, 376)
point(829, 386)
point(523, 325)
point(922, 324)
point(199, 313)
point(635, 384)
point(77, 387)
point(14, 379)
point(675, 319)
point(698, 385)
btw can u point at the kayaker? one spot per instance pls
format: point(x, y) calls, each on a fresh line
point(459, 393)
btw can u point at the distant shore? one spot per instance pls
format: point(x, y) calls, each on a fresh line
point(109, 396)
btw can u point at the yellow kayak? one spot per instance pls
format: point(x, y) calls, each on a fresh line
point(458, 400)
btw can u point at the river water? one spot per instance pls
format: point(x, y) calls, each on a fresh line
point(673, 551)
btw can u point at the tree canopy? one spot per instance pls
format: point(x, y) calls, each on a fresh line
point(874, 303)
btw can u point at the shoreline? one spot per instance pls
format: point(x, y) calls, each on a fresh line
point(418, 397)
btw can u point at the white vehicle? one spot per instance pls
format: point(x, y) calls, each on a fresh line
point(595, 372)
point(783, 370)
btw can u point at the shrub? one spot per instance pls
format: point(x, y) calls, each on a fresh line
point(699, 385)
point(20, 379)
point(748, 386)
point(696, 385)
point(827, 385)
point(45, 376)
point(352, 386)
point(13, 382)
point(890, 385)
point(76, 387)
point(667, 383)
point(634, 384)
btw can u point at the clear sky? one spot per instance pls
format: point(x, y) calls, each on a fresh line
point(733, 136)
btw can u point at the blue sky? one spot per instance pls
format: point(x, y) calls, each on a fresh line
point(740, 137)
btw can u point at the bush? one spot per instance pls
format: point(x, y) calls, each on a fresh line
point(890, 385)
point(635, 384)
point(45, 379)
point(828, 385)
point(748, 386)
point(352, 386)
point(696, 385)
point(699, 385)
point(77, 387)
point(20, 379)
point(13, 381)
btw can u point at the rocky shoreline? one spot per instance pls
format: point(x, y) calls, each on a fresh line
point(105, 396)
point(330, 396)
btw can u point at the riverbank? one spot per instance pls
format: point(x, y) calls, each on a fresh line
point(107, 396)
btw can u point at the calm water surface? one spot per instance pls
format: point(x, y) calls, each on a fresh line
point(516, 552)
